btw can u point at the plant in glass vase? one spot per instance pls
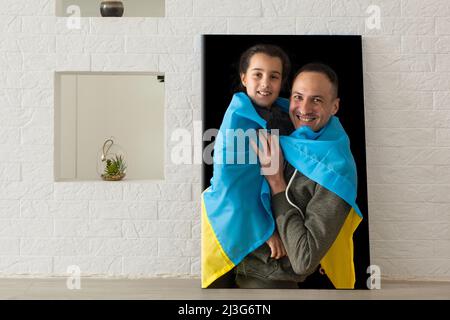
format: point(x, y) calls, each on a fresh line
point(115, 169)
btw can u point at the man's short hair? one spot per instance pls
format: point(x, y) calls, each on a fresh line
point(325, 70)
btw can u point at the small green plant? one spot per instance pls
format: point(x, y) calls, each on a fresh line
point(115, 168)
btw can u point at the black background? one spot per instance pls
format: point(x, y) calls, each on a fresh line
point(220, 79)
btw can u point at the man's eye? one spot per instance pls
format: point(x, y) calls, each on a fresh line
point(297, 97)
point(317, 100)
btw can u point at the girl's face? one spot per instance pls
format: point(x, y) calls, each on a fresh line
point(262, 79)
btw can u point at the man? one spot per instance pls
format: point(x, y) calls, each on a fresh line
point(309, 217)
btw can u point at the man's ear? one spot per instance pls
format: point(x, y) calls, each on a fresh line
point(243, 80)
point(335, 106)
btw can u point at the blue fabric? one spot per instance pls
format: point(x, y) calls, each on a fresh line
point(238, 201)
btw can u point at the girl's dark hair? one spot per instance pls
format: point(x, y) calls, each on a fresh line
point(270, 50)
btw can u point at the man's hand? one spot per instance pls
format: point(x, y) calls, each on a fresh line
point(276, 246)
point(271, 158)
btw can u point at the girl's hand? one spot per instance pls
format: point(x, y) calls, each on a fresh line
point(271, 158)
point(276, 246)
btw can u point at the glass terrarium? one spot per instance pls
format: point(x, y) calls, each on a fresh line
point(112, 165)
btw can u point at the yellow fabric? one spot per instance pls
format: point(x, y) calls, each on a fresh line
point(338, 261)
point(215, 262)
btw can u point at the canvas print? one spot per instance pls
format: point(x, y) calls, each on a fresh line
point(284, 165)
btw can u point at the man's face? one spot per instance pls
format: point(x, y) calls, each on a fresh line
point(313, 100)
point(262, 79)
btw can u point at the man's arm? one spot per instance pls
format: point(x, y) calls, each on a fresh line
point(308, 239)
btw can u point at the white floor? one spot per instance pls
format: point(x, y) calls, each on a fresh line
point(189, 289)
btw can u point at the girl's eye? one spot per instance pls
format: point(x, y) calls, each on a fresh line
point(257, 75)
point(275, 77)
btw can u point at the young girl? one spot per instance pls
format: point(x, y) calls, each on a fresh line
point(236, 213)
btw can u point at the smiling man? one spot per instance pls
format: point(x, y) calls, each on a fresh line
point(313, 198)
point(314, 96)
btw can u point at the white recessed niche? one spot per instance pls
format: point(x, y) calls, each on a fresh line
point(91, 107)
point(91, 8)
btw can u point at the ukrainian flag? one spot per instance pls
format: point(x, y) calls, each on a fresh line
point(236, 211)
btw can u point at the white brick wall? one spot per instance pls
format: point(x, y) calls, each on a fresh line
point(143, 228)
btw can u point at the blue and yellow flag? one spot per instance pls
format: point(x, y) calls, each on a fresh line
point(236, 211)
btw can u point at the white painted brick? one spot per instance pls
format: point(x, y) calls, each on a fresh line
point(71, 62)
point(26, 228)
point(178, 82)
point(441, 193)
point(90, 44)
point(192, 26)
point(415, 269)
point(89, 265)
point(420, 44)
point(21, 190)
point(11, 61)
point(92, 228)
point(123, 247)
point(88, 191)
point(296, 8)
point(382, 81)
point(431, 81)
point(36, 44)
point(179, 8)
point(358, 8)
point(9, 171)
point(54, 247)
point(408, 230)
point(156, 229)
point(178, 100)
point(39, 25)
point(39, 61)
point(159, 44)
point(9, 136)
point(196, 229)
point(9, 246)
point(442, 212)
point(10, 24)
point(443, 137)
point(400, 62)
point(37, 172)
point(217, 8)
point(179, 63)
point(37, 135)
point(197, 191)
point(441, 99)
point(25, 265)
point(443, 44)
point(402, 249)
point(179, 248)
point(141, 192)
point(11, 98)
point(406, 175)
point(196, 266)
point(22, 153)
point(124, 62)
point(10, 80)
point(40, 117)
point(197, 85)
point(261, 25)
point(400, 137)
point(425, 8)
point(120, 26)
point(443, 62)
point(43, 209)
point(407, 119)
point(443, 26)
point(36, 80)
point(401, 212)
point(333, 25)
point(380, 44)
point(441, 249)
point(401, 192)
point(441, 174)
point(37, 97)
point(9, 209)
point(123, 210)
point(176, 192)
point(404, 27)
point(179, 118)
point(27, 8)
point(150, 266)
point(176, 210)
point(183, 173)
point(72, 44)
